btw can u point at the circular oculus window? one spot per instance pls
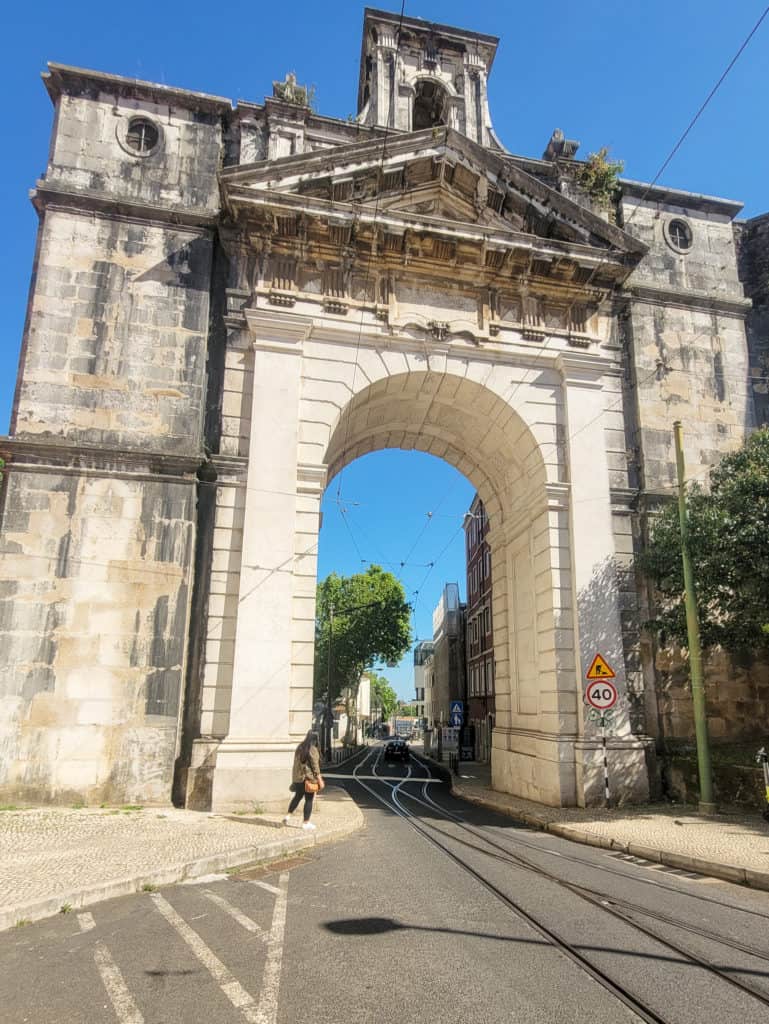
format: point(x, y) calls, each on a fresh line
point(138, 136)
point(678, 234)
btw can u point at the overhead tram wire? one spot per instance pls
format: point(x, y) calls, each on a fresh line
point(368, 269)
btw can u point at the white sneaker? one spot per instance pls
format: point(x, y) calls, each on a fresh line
point(288, 819)
point(309, 827)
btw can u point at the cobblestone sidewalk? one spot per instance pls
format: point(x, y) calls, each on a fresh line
point(54, 857)
point(734, 845)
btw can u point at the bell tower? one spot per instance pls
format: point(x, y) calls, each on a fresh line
point(416, 74)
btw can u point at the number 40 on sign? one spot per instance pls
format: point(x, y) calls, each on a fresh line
point(600, 693)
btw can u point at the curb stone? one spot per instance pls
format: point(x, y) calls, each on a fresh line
point(697, 865)
point(213, 864)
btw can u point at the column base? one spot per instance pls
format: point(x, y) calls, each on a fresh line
point(252, 773)
point(627, 757)
point(534, 765)
point(562, 771)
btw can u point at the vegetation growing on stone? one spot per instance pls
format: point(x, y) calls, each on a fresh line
point(598, 176)
point(291, 91)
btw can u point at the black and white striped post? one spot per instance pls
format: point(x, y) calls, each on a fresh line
point(605, 761)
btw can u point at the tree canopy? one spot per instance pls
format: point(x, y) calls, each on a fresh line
point(382, 694)
point(728, 530)
point(371, 623)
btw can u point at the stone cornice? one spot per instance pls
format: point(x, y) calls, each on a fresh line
point(63, 456)
point(63, 78)
point(239, 197)
point(583, 369)
point(49, 194)
point(275, 330)
point(706, 301)
point(656, 194)
point(427, 143)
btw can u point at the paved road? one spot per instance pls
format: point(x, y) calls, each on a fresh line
point(436, 912)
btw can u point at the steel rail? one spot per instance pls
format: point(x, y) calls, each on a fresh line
point(611, 870)
point(618, 909)
point(627, 998)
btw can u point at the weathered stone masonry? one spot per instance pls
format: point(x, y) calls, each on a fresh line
point(229, 304)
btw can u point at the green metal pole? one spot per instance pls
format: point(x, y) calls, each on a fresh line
point(707, 806)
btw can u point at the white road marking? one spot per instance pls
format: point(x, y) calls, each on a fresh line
point(268, 999)
point(229, 985)
point(238, 915)
point(126, 1010)
point(383, 778)
point(86, 922)
point(266, 885)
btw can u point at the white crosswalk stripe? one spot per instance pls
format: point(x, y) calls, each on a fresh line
point(235, 913)
point(267, 1012)
point(126, 1010)
point(229, 985)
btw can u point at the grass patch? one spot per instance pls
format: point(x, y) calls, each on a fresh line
point(22, 922)
point(149, 887)
point(9, 807)
point(132, 807)
point(65, 908)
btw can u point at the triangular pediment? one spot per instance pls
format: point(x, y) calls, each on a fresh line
point(431, 177)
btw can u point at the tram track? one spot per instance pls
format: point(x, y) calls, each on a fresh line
point(583, 862)
point(620, 910)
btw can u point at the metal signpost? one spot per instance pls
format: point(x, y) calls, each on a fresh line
point(601, 695)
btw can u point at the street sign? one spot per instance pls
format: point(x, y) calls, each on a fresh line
point(601, 694)
point(600, 669)
point(456, 712)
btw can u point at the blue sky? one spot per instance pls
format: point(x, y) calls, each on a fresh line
point(626, 75)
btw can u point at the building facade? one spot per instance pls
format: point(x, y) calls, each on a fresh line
point(231, 303)
point(447, 676)
point(479, 633)
point(423, 653)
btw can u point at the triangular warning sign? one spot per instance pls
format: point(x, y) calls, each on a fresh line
point(600, 669)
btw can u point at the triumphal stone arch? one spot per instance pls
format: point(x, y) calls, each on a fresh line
point(230, 304)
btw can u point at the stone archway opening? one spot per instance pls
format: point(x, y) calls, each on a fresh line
point(466, 424)
point(321, 399)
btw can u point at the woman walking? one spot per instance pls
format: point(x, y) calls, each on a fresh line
point(306, 779)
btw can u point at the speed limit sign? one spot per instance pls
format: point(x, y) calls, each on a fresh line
point(601, 694)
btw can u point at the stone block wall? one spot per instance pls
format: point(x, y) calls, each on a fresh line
point(89, 154)
point(736, 695)
point(222, 609)
point(115, 350)
point(753, 248)
point(99, 501)
point(94, 577)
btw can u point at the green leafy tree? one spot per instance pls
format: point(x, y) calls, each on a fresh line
point(371, 623)
point(382, 694)
point(729, 543)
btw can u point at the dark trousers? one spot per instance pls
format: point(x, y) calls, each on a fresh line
point(298, 791)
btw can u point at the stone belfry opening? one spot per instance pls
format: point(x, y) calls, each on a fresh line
point(430, 101)
point(416, 74)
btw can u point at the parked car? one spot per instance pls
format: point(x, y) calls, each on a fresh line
point(397, 750)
